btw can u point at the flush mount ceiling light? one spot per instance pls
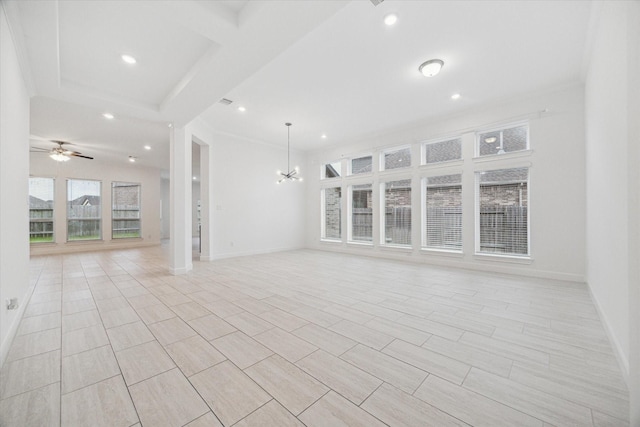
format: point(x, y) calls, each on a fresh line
point(108, 116)
point(431, 67)
point(147, 147)
point(289, 176)
point(490, 139)
point(129, 59)
point(455, 96)
point(242, 109)
point(390, 19)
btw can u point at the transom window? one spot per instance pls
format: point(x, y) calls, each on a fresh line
point(442, 151)
point(331, 170)
point(396, 158)
point(501, 141)
point(360, 165)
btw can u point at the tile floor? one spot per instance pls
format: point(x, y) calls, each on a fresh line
point(304, 338)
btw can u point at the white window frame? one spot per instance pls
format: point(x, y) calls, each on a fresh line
point(323, 216)
point(383, 153)
point(423, 151)
point(526, 256)
point(350, 238)
point(500, 129)
point(359, 156)
point(423, 204)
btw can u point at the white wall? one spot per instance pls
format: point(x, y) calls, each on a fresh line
point(251, 213)
point(557, 195)
point(149, 178)
point(612, 160)
point(165, 201)
point(14, 182)
point(195, 198)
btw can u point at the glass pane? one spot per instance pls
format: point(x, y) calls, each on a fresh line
point(504, 211)
point(397, 205)
point(41, 195)
point(397, 159)
point(443, 221)
point(125, 215)
point(443, 151)
point(83, 210)
point(503, 141)
point(361, 165)
point(332, 170)
point(332, 210)
point(362, 213)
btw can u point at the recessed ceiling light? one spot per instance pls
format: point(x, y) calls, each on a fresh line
point(242, 109)
point(431, 67)
point(108, 116)
point(455, 96)
point(132, 159)
point(324, 136)
point(170, 125)
point(129, 59)
point(147, 147)
point(194, 178)
point(391, 19)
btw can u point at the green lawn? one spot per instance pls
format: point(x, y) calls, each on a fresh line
point(40, 239)
point(126, 235)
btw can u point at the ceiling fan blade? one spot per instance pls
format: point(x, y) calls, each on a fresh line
point(75, 154)
point(41, 149)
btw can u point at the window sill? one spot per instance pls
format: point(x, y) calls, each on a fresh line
point(442, 252)
point(494, 157)
point(118, 239)
point(442, 165)
point(364, 244)
point(41, 243)
point(401, 248)
point(84, 242)
point(330, 241)
point(504, 258)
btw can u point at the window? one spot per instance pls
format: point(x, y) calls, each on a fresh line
point(396, 159)
point(41, 195)
point(362, 213)
point(503, 141)
point(442, 151)
point(125, 210)
point(331, 170)
point(397, 212)
point(443, 212)
point(332, 227)
point(361, 165)
point(83, 210)
point(503, 220)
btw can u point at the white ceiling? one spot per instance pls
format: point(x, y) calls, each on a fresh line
point(326, 66)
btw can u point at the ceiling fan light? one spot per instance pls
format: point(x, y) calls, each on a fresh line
point(431, 67)
point(59, 157)
point(490, 139)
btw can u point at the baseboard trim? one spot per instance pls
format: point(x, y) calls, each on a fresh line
point(622, 359)
point(13, 329)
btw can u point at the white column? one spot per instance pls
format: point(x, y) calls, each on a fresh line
point(206, 202)
point(180, 201)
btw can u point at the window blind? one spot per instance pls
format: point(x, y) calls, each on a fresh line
point(443, 151)
point(396, 159)
point(443, 212)
point(362, 213)
point(397, 212)
point(332, 213)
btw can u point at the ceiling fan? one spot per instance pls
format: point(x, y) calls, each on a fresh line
point(60, 154)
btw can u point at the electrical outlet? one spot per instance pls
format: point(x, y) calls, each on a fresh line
point(12, 303)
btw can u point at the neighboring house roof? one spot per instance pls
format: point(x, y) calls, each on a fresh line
point(36, 203)
point(86, 201)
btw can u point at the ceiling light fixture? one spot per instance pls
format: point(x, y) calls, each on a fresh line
point(129, 59)
point(290, 176)
point(431, 67)
point(132, 159)
point(390, 19)
point(455, 96)
point(59, 157)
point(147, 147)
point(108, 116)
point(242, 109)
point(324, 136)
point(194, 178)
point(490, 139)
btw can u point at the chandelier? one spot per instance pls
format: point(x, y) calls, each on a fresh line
point(290, 175)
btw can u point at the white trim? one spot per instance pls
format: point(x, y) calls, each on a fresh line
point(503, 258)
point(5, 346)
point(505, 156)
